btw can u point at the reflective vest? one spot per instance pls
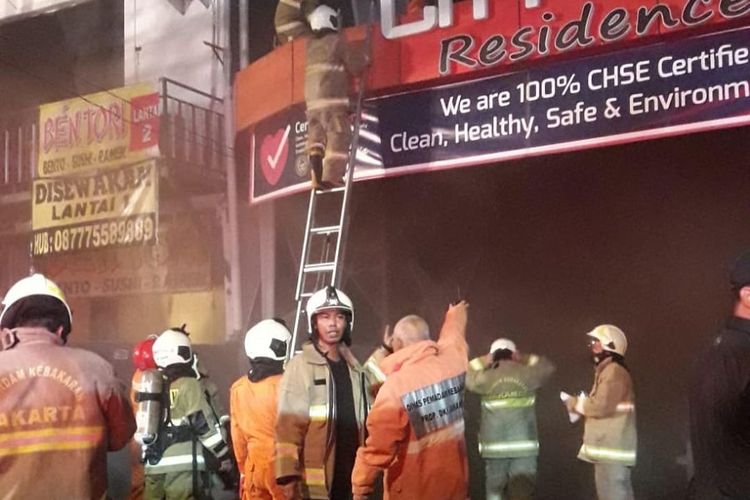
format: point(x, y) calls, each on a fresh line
point(191, 417)
point(508, 396)
point(610, 433)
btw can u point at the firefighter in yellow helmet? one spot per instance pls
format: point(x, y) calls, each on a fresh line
point(609, 437)
point(253, 402)
point(61, 408)
point(175, 465)
point(330, 63)
point(507, 381)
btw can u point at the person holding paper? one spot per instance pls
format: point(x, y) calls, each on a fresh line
point(609, 438)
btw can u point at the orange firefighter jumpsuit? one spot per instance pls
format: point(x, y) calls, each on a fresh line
point(416, 425)
point(253, 415)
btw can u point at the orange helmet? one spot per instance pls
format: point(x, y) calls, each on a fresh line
point(143, 355)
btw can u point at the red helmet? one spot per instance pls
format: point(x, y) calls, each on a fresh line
point(143, 355)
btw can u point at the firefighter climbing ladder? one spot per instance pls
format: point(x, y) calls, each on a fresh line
point(323, 235)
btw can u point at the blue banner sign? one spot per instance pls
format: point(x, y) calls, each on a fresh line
point(641, 93)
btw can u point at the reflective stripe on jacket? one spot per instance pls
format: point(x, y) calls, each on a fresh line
point(372, 365)
point(329, 63)
point(61, 410)
point(416, 425)
point(610, 432)
point(189, 406)
point(306, 423)
point(508, 423)
point(290, 18)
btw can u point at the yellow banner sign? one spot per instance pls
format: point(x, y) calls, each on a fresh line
point(168, 266)
point(113, 207)
point(98, 130)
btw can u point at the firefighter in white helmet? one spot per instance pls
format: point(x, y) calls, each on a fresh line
point(323, 403)
point(175, 465)
point(61, 408)
point(253, 404)
point(609, 438)
point(330, 62)
point(507, 381)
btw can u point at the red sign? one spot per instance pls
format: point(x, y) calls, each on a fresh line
point(459, 38)
point(274, 150)
point(144, 119)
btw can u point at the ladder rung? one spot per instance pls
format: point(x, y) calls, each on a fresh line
point(319, 268)
point(331, 190)
point(306, 295)
point(325, 229)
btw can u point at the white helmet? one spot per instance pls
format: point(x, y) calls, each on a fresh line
point(323, 17)
point(267, 339)
point(39, 286)
point(612, 338)
point(326, 299)
point(172, 347)
point(503, 344)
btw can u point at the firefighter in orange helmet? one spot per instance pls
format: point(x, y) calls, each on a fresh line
point(252, 404)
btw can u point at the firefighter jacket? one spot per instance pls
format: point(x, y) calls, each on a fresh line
point(291, 19)
point(253, 407)
point(330, 62)
point(191, 423)
point(61, 410)
point(306, 423)
point(508, 393)
point(609, 434)
point(416, 425)
point(372, 365)
point(720, 415)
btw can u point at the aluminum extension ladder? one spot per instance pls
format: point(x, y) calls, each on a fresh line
point(325, 236)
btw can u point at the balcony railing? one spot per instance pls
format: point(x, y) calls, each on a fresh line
point(192, 128)
point(191, 137)
point(18, 150)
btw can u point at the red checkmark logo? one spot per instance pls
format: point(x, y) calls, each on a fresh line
point(274, 151)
